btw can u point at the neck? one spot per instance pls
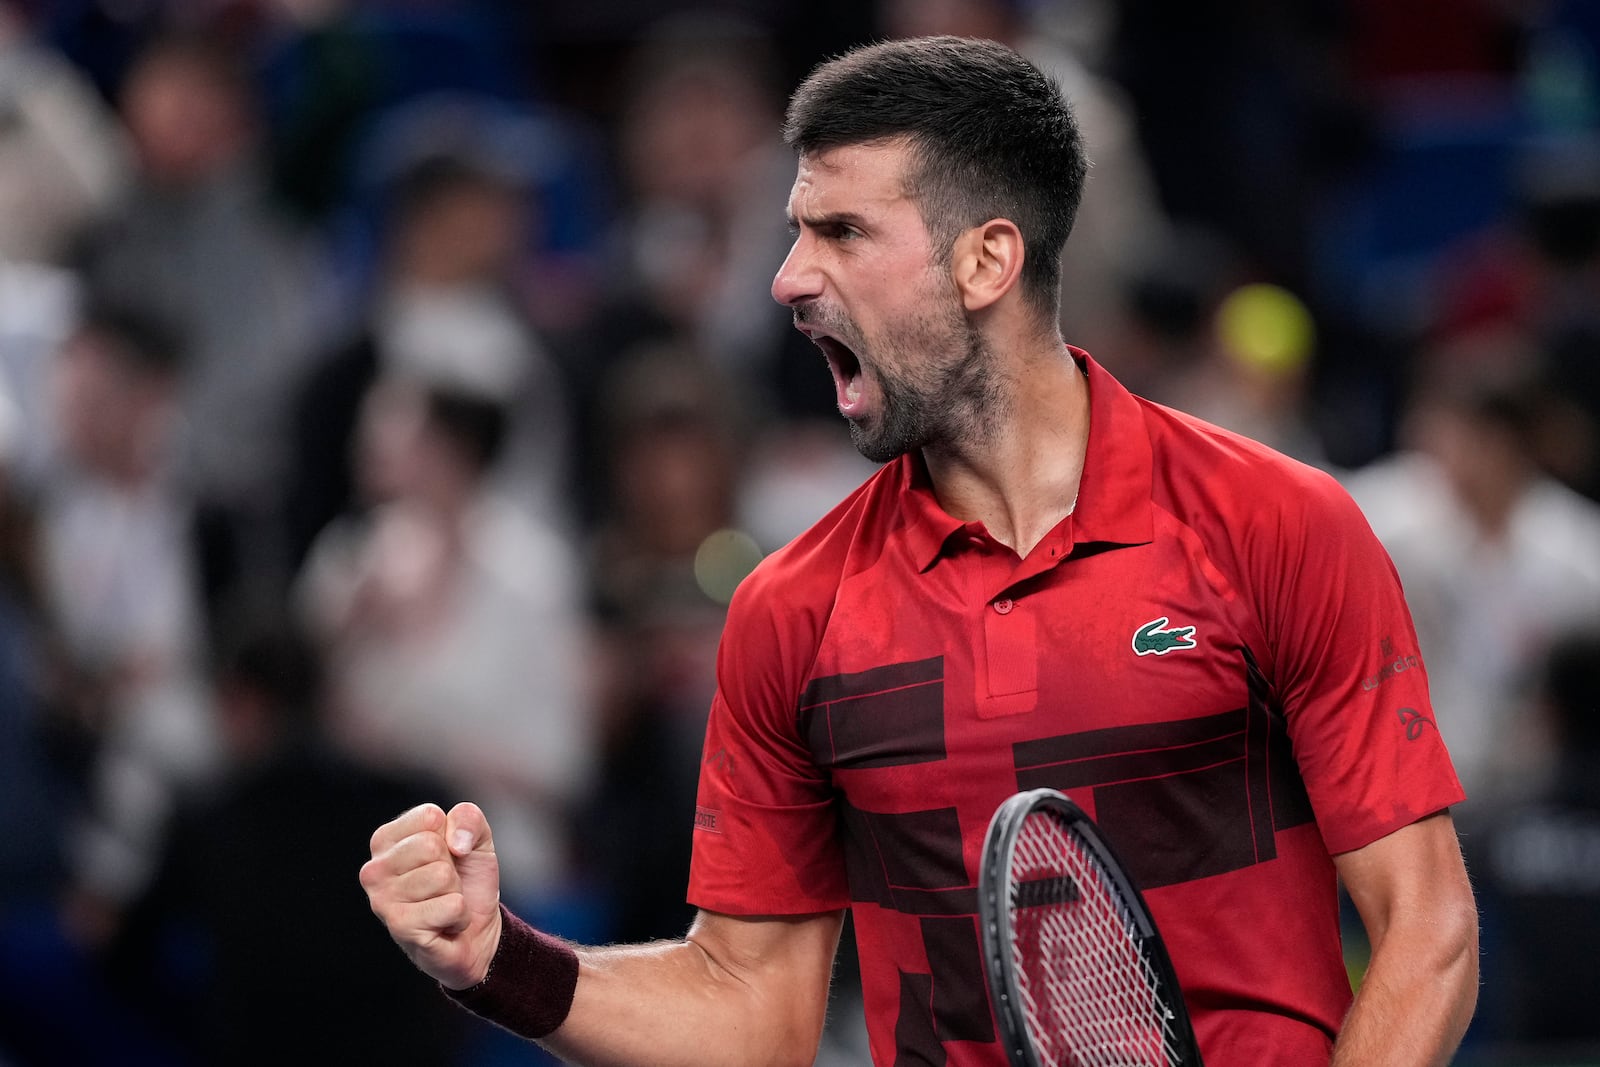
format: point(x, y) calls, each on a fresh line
point(1022, 479)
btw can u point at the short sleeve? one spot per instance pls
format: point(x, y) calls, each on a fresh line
point(1347, 668)
point(765, 834)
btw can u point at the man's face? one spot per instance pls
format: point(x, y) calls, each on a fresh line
point(110, 415)
point(862, 279)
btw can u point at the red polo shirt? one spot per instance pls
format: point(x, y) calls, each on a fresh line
point(1211, 654)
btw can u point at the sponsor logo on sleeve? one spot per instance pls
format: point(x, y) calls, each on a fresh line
point(1415, 722)
point(1393, 664)
point(707, 819)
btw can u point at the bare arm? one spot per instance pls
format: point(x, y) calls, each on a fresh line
point(1418, 995)
point(734, 991)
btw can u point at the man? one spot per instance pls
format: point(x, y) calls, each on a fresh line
point(1537, 877)
point(200, 957)
point(1049, 583)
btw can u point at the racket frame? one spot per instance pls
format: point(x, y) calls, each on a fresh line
point(996, 927)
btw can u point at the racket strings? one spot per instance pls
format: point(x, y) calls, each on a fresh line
point(1091, 995)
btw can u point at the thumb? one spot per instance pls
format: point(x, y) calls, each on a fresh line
point(467, 833)
point(467, 830)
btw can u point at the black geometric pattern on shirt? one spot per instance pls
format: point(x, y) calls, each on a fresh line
point(904, 861)
point(909, 862)
point(1186, 799)
point(915, 1040)
point(886, 717)
point(960, 1009)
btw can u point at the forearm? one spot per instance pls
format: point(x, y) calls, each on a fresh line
point(669, 1004)
point(1417, 997)
point(701, 1000)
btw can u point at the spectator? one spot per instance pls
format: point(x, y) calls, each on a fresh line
point(1254, 377)
point(213, 952)
point(63, 163)
point(33, 790)
point(1497, 559)
point(673, 469)
point(445, 307)
point(120, 593)
point(62, 155)
point(1533, 282)
point(458, 641)
point(1169, 296)
point(198, 242)
point(1538, 872)
point(699, 238)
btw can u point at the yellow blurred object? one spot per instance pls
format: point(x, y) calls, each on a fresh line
point(1267, 328)
point(723, 560)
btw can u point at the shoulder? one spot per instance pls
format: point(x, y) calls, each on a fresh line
point(780, 610)
point(1286, 535)
point(812, 565)
point(1204, 472)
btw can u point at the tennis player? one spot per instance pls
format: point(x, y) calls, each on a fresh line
point(1050, 582)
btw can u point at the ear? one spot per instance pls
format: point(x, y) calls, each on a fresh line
point(986, 262)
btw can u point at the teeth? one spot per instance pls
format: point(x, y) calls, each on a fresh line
point(852, 389)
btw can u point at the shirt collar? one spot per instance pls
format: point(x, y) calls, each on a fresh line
point(1114, 505)
point(929, 526)
point(1113, 495)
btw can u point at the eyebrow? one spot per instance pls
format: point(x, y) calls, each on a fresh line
point(832, 218)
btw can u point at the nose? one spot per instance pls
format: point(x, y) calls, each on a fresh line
point(797, 280)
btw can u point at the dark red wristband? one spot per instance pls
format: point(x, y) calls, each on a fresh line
point(531, 981)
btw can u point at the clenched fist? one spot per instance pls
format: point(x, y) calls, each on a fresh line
point(434, 880)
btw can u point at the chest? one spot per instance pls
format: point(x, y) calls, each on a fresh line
point(1126, 677)
point(980, 650)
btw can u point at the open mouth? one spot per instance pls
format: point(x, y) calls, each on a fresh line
point(843, 364)
point(846, 369)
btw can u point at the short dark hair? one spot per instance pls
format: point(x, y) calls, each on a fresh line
point(268, 651)
point(992, 137)
point(138, 338)
point(475, 424)
point(435, 177)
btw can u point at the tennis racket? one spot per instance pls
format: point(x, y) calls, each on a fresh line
point(1077, 971)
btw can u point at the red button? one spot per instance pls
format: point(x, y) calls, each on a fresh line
point(1004, 605)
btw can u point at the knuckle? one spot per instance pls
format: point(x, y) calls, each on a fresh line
point(431, 848)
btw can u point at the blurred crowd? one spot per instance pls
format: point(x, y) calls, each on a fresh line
point(391, 399)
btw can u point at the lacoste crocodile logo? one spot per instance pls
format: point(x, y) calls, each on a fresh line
point(1154, 638)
